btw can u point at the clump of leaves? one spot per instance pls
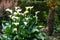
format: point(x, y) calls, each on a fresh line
point(23, 25)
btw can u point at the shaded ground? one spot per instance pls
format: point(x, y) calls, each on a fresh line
point(55, 35)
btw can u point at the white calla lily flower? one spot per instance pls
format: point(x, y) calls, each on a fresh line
point(29, 7)
point(9, 10)
point(25, 23)
point(14, 29)
point(19, 10)
point(17, 23)
point(37, 12)
point(10, 16)
point(27, 18)
point(26, 12)
point(15, 13)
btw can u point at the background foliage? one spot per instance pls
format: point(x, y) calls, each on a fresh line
point(27, 24)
